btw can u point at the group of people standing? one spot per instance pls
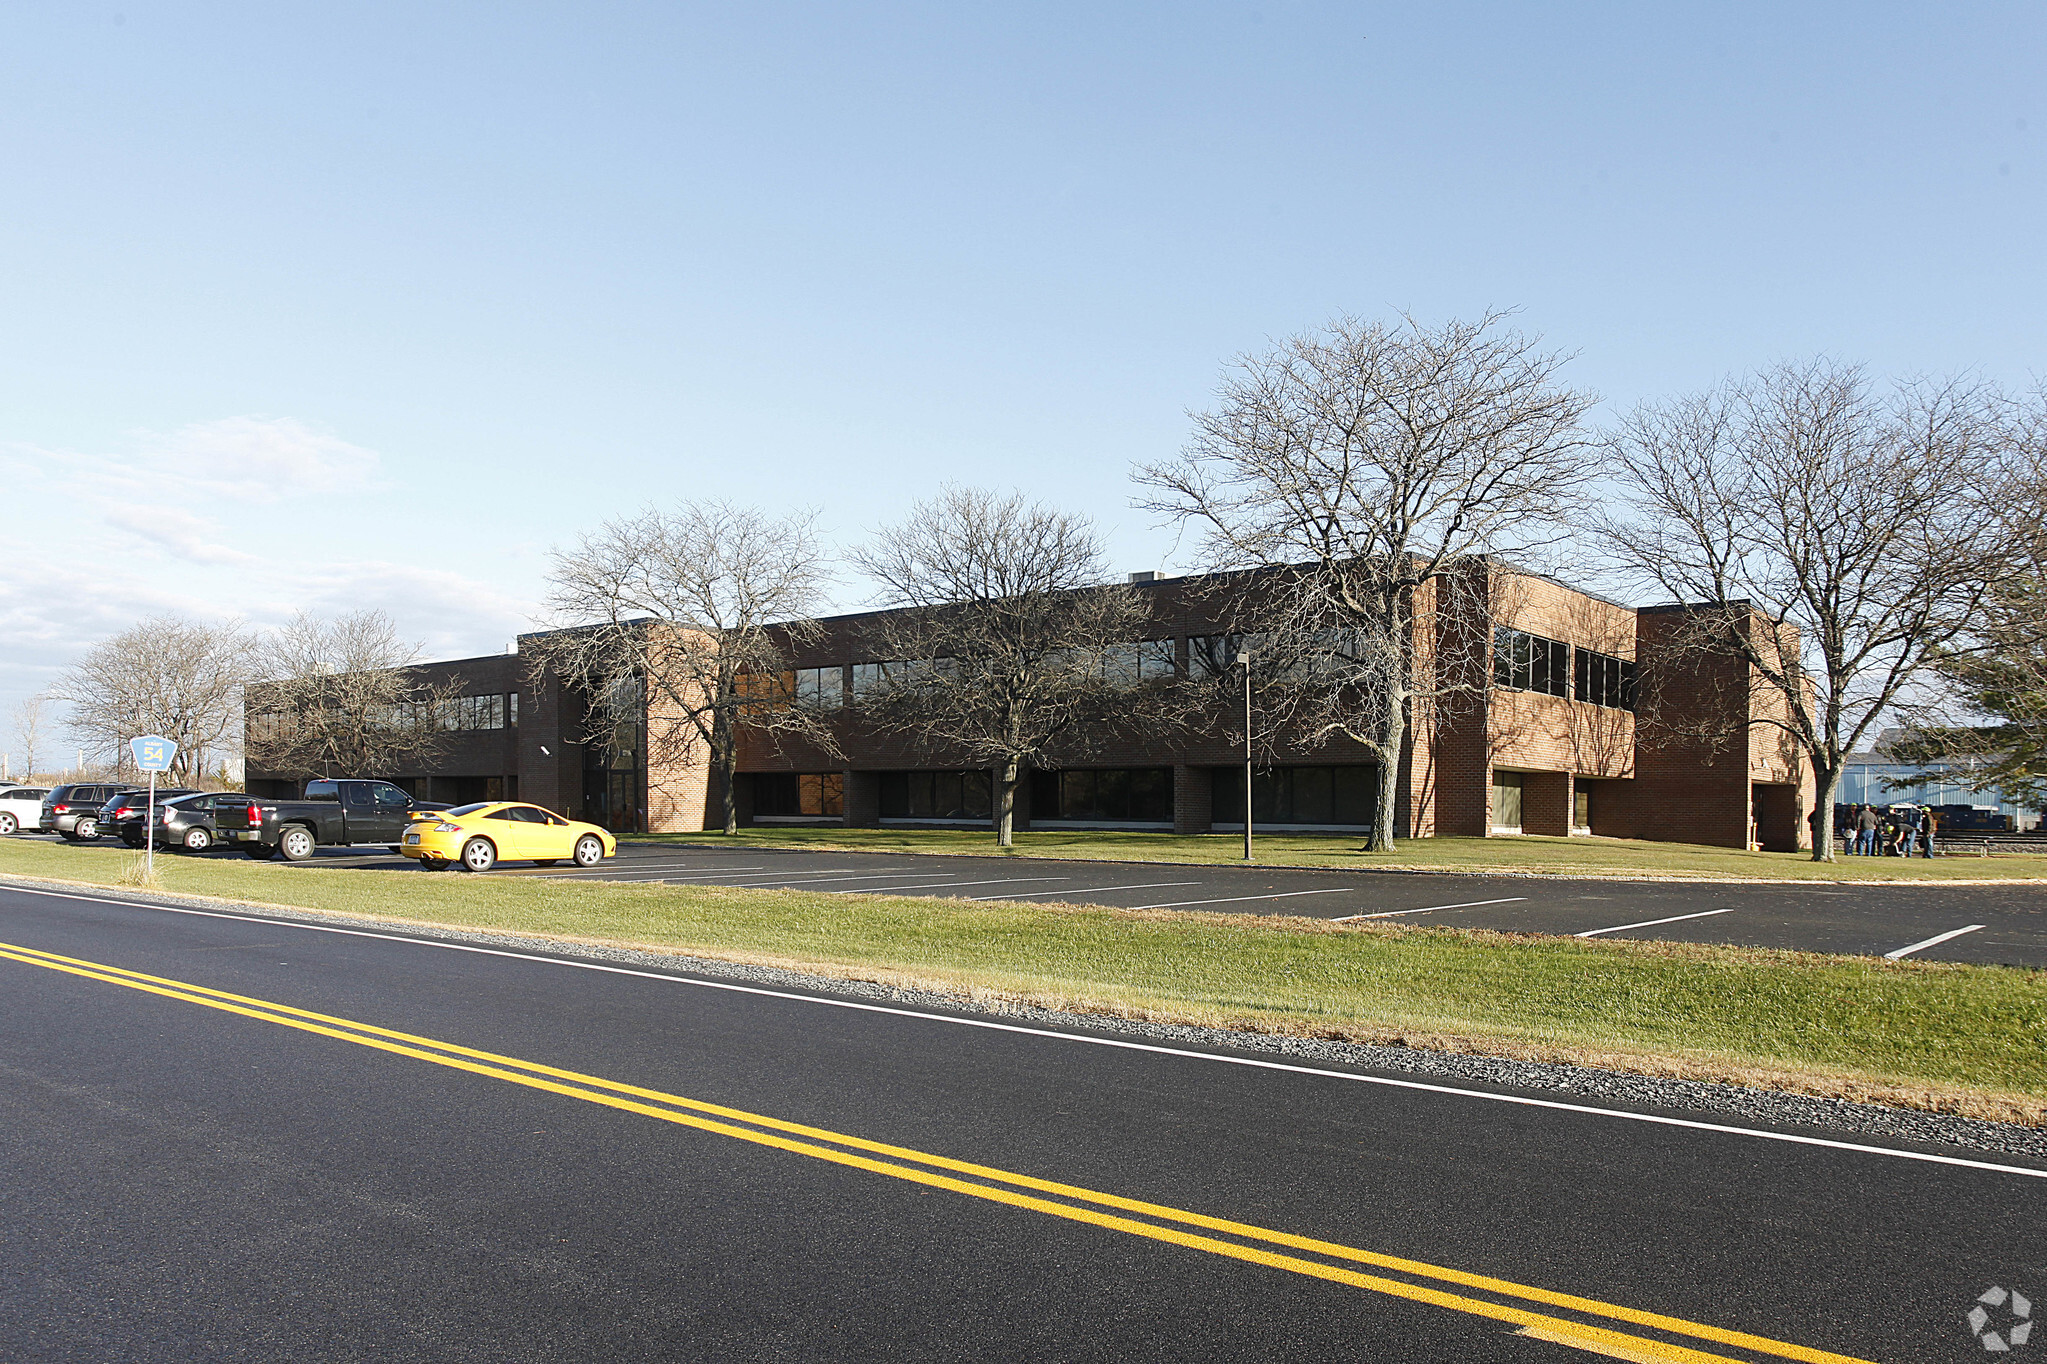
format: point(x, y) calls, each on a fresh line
point(1871, 832)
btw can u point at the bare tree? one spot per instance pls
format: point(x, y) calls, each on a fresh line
point(1010, 651)
point(689, 618)
point(1373, 463)
point(337, 698)
point(31, 728)
point(1836, 541)
point(178, 678)
point(1999, 672)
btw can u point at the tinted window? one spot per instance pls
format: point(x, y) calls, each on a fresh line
point(355, 794)
point(506, 815)
point(391, 798)
point(526, 814)
point(322, 790)
point(470, 809)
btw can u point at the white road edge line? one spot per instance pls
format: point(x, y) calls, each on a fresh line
point(1651, 923)
point(1394, 913)
point(1085, 890)
point(1238, 899)
point(1934, 941)
point(1387, 1081)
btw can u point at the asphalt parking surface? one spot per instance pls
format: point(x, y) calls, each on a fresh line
point(1991, 925)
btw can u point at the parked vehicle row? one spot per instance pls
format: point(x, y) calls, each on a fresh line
point(346, 812)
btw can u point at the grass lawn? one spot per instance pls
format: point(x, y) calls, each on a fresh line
point(1528, 854)
point(1960, 1038)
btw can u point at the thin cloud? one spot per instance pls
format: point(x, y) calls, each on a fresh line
point(176, 532)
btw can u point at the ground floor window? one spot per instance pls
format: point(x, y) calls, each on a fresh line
point(796, 795)
point(1118, 795)
point(1298, 795)
point(936, 795)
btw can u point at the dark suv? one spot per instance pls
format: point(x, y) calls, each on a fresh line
point(123, 815)
point(74, 810)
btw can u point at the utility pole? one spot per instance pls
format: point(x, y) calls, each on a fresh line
point(1244, 657)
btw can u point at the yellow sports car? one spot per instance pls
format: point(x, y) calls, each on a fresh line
point(478, 837)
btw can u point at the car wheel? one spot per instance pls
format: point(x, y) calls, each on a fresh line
point(296, 843)
point(86, 830)
point(8, 824)
point(589, 850)
point(198, 840)
point(432, 864)
point(478, 855)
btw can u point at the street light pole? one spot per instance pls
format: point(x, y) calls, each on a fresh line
point(1244, 657)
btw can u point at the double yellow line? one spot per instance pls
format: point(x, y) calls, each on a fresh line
point(1109, 1211)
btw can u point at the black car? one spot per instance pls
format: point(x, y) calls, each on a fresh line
point(122, 815)
point(73, 810)
point(187, 822)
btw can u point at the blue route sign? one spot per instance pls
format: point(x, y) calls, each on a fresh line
point(153, 753)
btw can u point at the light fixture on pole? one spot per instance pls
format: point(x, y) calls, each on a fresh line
point(1244, 659)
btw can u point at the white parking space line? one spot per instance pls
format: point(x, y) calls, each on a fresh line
point(1934, 941)
point(748, 873)
point(1238, 899)
point(637, 867)
point(927, 885)
point(1088, 890)
point(804, 878)
point(1651, 923)
point(1429, 909)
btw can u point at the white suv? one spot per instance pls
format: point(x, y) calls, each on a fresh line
point(21, 807)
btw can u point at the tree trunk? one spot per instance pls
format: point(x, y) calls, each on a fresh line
point(1386, 801)
point(1005, 803)
point(725, 754)
point(1392, 731)
point(1825, 789)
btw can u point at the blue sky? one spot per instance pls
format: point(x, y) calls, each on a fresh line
point(371, 304)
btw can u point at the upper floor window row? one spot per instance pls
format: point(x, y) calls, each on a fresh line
point(1528, 662)
point(499, 711)
point(1604, 680)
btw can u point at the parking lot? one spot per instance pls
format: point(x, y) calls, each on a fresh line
point(1981, 924)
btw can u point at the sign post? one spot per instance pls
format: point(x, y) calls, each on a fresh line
point(153, 754)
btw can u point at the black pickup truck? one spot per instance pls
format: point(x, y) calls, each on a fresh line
point(345, 810)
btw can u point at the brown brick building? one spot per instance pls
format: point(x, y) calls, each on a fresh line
point(1547, 737)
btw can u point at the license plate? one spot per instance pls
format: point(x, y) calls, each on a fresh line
point(412, 838)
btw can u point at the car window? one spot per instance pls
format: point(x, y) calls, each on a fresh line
point(506, 815)
point(469, 809)
point(557, 820)
point(390, 797)
point(526, 814)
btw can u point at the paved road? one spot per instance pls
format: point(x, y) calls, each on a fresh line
point(188, 1175)
point(1992, 924)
